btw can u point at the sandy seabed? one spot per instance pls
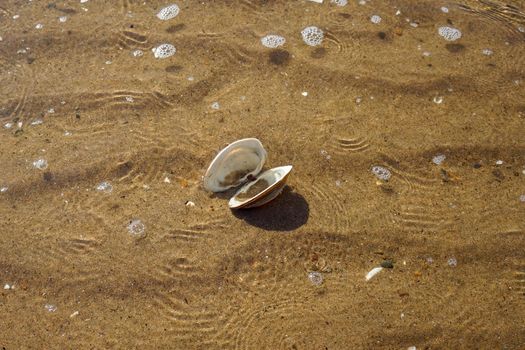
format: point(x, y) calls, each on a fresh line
point(102, 145)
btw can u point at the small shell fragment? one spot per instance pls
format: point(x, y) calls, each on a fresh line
point(373, 272)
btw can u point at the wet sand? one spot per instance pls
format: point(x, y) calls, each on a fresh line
point(75, 274)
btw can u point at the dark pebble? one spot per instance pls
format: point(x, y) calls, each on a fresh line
point(387, 264)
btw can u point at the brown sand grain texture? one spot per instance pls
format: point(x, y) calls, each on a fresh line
point(76, 93)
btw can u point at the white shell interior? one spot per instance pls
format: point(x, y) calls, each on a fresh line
point(274, 178)
point(234, 164)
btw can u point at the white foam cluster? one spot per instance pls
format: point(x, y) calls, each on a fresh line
point(312, 36)
point(136, 227)
point(375, 19)
point(487, 52)
point(438, 159)
point(272, 41)
point(449, 33)
point(168, 12)
point(381, 173)
point(40, 163)
point(104, 187)
point(340, 2)
point(315, 277)
point(164, 51)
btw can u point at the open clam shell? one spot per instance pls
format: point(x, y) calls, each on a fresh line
point(234, 165)
point(266, 187)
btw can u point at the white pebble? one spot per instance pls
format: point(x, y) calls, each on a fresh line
point(74, 314)
point(272, 41)
point(411, 348)
point(164, 51)
point(4, 189)
point(452, 262)
point(40, 163)
point(168, 12)
point(449, 33)
point(39, 26)
point(487, 52)
point(190, 204)
point(50, 307)
point(304, 93)
point(444, 9)
point(381, 172)
point(438, 159)
point(499, 162)
point(83, 1)
point(62, 19)
point(167, 180)
point(105, 187)
point(312, 36)
point(16, 16)
point(190, 78)
point(373, 272)
point(375, 19)
point(7, 286)
point(315, 277)
point(8, 125)
point(136, 227)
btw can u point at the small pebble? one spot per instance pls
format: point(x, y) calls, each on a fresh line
point(73, 314)
point(39, 26)
point(444, 9)
point(215, 105)
point(62, 19)
point(167, 180)
point(137, 53)
point(315, 277)
point(452, 262)
point(190, 204)
point(304, 93)
point(487, 52)
point(7, 286)
point(387, 264)
point(411, 348)
point(3, 189)
point(499, 162)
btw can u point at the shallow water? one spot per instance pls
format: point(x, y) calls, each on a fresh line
point(108, 239)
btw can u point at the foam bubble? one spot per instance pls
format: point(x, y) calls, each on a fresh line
point(272, 41)
point(444, 9)
point(136, 227)
point(40, 163)
point(381, 173)
point(105, 187)
point(452, 262)
point(438, 159)
point(315, 277)
point(312, 36)
point(487, 52)
point(449, 33)
point(164, 51)
point(50, 307)
point(137, 53)
point(375, 19)
point(340, 2)
point(168, 12)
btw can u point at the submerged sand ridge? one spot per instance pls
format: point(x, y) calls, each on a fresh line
point(103, 144)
